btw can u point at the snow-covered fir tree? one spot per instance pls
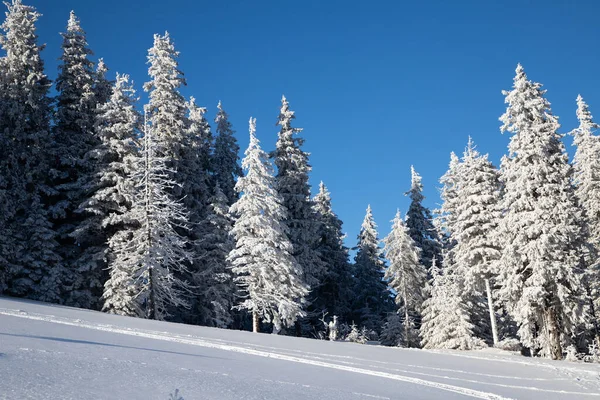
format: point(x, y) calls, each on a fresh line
point(103, 87)
point(150, 254)
point(371, 297)
point(74, 137)
point(447, 211)
point(420, 223)
point(586, 165)
point(445, 323)
point(225, 159)
point(213, 280)
point(393, 332)
point(166, 109)
point(27, 244)
point(262, 259)
point(406, 276)
point(110, 188)
point(541, 264)
point(333, 296)
point(193, 176)
point(476, 216)
point(292, 185)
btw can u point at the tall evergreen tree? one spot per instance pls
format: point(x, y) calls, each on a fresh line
point(103, 87)
point(74, 138)
point(477, 249)
point(109, 187)
point(262, 258)
point(27, 244)
point(214, 280)
point(225, 159)
point(586, 165)
point(540, 267)
point(447, 212)
point(420, 223)
point(166, 109)
point(406, 276)
point(292, 185)
point(371, 297)
point(446, 323)
point(334, 295)
point(150, 254)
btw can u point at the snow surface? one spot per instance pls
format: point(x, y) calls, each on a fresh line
point(55, 352)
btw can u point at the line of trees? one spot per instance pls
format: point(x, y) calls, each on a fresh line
point(146, 212)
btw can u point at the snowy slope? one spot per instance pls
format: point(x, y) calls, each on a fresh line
point(53, 352)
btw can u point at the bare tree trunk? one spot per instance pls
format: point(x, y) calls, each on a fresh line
point(554, 345)
point(255, 322)
point(151, 311)
point(406, 339)
point(488, 290)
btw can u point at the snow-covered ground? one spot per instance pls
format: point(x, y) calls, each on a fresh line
point(53, 352)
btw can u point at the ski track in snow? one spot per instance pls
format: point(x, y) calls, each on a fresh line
point(343, 363)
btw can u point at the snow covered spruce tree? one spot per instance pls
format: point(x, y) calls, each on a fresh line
point(586, 165)
point(262, 260)
point(103, 87)
point(406, 276)
point(541, 263)
point(447, 212)
point(292, 185)
point(110, 188)
point(215, 288)
point(74, 138)
point(225, 159)
point(371, 297)
point(166, 109)
point(477, 249)
point(29, 259)
point(150, 254)
point(420, 223)
point(393, 332)
point(333, 296)
point(194, 176)
point(445, 323)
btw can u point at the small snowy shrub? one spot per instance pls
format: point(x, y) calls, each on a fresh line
point(571, 354)
point(357, 335)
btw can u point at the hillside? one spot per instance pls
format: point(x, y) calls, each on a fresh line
point(54, 352)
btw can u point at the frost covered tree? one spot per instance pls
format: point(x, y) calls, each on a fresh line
point(266, 271)
point(292, 185)
point(540, 267)
point(27, 242)
point(166, 109)
point(149, 254)
point(333, 296)
point(447, 211)
point(109, 187)
point(406, 276)
point(476, 216)
point(74, 137)
point(371, 297)
point(225, 158)
point(214, 281)
point(445, 323)
point(420, 223)
point(393, 331)
point(586, 165)
point(103, 87)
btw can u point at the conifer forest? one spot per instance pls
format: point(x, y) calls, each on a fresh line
point(153, 211)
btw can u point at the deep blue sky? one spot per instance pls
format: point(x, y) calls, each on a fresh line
point(377, 86)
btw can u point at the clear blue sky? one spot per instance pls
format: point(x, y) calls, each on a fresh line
point(377, 86)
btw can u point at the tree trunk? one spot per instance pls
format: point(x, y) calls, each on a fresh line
point(488, 290)
point(406, 339)
point(151, 307)
point(554, 345)
point(255, 322)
